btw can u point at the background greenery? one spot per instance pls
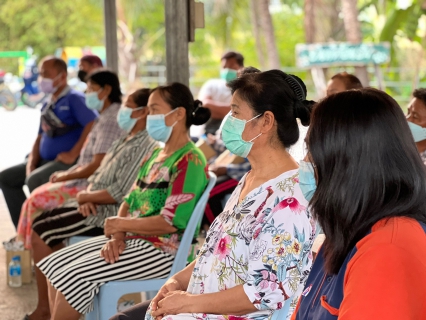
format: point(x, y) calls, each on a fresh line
point(46, 25)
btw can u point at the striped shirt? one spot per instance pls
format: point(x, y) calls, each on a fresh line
point(118, 171)
point(104, 132)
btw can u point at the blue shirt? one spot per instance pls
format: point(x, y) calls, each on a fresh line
point(71, 109)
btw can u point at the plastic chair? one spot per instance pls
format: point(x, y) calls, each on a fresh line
point(105, 303)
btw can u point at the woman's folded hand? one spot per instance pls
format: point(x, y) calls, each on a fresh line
point(111, 226)
point(174, 302)
point(87, 209)
point(112, 250)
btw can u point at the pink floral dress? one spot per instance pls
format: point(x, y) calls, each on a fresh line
point(263, 243)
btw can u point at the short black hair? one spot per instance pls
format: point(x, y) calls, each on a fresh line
point(367, 168)
point(104, 77)
point(59, 64)
point(420, 94)
point(350, 81)
point(234, 55)
point(270, 91)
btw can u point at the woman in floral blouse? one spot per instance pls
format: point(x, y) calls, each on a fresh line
point(139, 243)
point(257, 253)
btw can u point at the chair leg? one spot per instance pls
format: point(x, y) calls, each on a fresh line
point(94, 315)
point(108, 304)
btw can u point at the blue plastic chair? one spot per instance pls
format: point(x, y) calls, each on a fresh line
point(105, 303)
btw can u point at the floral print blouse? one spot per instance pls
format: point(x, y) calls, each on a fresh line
point(263, 243)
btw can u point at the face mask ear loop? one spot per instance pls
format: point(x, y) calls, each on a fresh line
point(171, 113)
point(259, 133)
point(256, 137)
point(254, 118)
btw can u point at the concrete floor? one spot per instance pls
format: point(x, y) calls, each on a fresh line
point(18, 130)
point(14, 302)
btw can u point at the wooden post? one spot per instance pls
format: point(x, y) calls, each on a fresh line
point(177, 26)
point(111, 43)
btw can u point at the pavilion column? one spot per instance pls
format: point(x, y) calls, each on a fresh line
point(177, 25)
point(111, 42)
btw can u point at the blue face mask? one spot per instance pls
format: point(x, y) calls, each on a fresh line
point(157, 128)
point(419, 133)
point(124, 119)
point(307, 181)
point(232, 132)
point(93, 102)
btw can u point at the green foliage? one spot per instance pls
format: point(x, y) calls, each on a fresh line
point(49, 24)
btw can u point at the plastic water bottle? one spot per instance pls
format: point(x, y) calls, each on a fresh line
point(15, 279)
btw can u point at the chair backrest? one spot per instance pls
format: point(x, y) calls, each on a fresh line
point(182, 253)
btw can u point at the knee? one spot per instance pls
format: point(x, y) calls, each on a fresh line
point(35, 239)
point(4, 177)
point(33, 181)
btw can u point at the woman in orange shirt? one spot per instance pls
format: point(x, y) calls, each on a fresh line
point(370, 200)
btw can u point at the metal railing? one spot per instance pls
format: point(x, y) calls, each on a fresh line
point(399, 82)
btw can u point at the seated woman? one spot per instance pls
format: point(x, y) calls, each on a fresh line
point(108, 186)
point(371, 206)
point(257, 252)
point(103, 94)
point(141, 241)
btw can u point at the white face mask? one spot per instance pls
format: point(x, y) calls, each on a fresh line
point(46, 84)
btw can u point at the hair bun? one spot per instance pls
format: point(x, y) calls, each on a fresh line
point(200, 115)
point(302, 110)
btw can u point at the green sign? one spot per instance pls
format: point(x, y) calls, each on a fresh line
point(14, 54)
point(341, 53)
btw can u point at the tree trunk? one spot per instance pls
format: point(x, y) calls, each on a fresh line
point(309, 21)
point(256, 31)
point(268, 33)
point(126, 45)
point(353, 33)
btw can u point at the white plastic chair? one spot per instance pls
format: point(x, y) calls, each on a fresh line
point(105, 303)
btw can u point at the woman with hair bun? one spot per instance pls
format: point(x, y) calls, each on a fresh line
point(139, 243)
point(257, 252)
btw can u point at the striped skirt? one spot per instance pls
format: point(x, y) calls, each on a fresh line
point(78, 271)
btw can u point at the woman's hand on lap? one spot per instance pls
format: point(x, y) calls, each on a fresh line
point(58, 177)
point(112, 249)
point(169, 286)
point(87, 209)
point(174, 302)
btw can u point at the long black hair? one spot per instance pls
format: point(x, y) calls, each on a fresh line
point(178, 95)
point(282, 94)
point(367, 168)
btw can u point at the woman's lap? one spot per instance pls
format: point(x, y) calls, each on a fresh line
point(45, 197)
point(54, 226)
point(78, 271)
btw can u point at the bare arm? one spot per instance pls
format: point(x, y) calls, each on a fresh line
point(69, 157)
point(98, 197)
point(82, 172)
point(154, 226)
point(218, 109)
point(231, 301)
point(34, 156)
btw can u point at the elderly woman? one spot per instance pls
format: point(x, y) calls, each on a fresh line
point(257, 253)
point(372, 208)
point(139, 243)
point(104, 95)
